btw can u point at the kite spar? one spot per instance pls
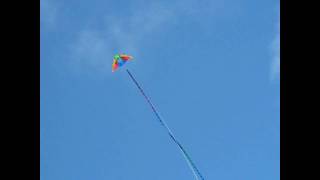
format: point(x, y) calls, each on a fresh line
point(192, 166)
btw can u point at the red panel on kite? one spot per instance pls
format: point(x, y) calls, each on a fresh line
point(119, 60)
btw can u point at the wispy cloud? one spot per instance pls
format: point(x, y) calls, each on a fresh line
point(275, 48)
point(126, 33)
point(90, 50)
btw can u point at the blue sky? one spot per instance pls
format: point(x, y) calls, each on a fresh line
point(211, 67)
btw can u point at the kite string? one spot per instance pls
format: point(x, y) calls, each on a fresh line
point(185, 154)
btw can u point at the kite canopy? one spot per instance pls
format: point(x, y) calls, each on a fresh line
point(119, 60)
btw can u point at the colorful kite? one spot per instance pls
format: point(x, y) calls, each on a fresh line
point(119, 60)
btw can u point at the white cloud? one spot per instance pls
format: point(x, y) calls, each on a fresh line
point(90, 49)
point(125, 34)
point(93, 49)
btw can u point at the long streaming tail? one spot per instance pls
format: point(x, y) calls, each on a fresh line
point(192, 166)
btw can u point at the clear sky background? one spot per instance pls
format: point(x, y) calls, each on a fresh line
point(211, 67)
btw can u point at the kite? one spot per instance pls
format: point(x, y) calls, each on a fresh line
point(118, 61)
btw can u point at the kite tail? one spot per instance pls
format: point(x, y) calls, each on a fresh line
point(192, 166)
